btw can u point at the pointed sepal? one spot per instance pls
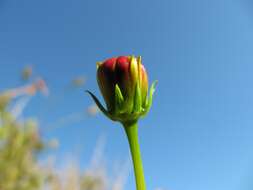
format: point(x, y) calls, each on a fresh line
point(99, 105)
point(119, 99)
point(149, 100)
point(137, 99)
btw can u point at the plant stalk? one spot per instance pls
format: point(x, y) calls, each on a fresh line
point(132, 135)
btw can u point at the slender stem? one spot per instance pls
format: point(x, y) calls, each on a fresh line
point(132, 135)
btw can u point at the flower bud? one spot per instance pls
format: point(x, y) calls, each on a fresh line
point(123, 82)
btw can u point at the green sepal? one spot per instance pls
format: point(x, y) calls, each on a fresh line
point(100, 106)
point(137, 99)
point(119, 99)
point(149, 100)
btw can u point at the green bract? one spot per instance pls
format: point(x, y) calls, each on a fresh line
point(123, 82)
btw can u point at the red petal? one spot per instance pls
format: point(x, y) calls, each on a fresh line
point(109, 63)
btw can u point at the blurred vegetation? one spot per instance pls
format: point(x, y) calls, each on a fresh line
point(21, 145)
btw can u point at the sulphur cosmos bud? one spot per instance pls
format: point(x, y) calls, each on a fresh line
point(123, 82)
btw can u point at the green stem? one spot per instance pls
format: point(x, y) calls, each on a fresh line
point(132, 135)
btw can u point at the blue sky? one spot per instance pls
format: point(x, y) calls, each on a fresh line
point(199, 133)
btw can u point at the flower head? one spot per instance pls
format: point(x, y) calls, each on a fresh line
point(123, 82)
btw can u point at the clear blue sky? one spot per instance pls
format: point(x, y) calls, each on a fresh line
point(199, 133)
